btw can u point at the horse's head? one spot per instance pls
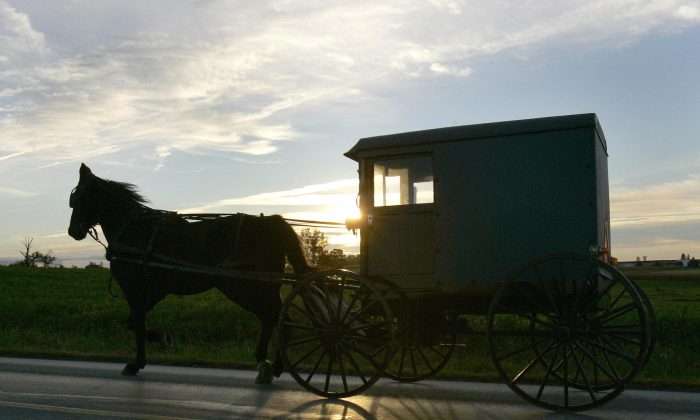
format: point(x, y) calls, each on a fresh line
point(85, 209)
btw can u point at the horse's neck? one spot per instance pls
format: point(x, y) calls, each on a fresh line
point(115, 220)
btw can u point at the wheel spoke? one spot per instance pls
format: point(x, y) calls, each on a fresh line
point(579, 290)
point(304, 340)
point(435, 350)
point(532, 300)
point(583, 376)
point(315, 368)
point(401, 360)
point(362, 353)
point(546, 376)
point(331, 359)
point(532, 363)
point(611, 365)
point(592, 358)
point(599, 296)
point(522, 349)
point(625, 339)
point(305, 312)
point(566, 377)
point(547, 291)
point(355, 297)
point(306, 355)
point(413, 362)
point(562, 294)
point(362, 311)
point(340, 298)
point(354, 364)
point(614, 314)
point(610, 348)
point(527, 315)
point(306, 327)
point(425, 359)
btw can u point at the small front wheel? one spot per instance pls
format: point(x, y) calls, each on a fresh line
point(336, 333)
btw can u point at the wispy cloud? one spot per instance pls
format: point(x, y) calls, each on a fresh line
point(329, 194)
point(166, 82)
point(11, 192)
point(656, 204)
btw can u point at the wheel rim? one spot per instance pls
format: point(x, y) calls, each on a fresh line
point(567, 332)
point(336, 334)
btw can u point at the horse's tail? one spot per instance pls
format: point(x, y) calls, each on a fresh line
point(292, 247)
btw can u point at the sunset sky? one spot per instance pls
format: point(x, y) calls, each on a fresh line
point(248, 106)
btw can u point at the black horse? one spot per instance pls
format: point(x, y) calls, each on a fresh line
point(138, 236)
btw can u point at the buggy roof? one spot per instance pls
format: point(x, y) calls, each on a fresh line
point(477, 131)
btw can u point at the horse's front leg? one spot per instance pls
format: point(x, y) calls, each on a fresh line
point(138, 322)
point(164, 338)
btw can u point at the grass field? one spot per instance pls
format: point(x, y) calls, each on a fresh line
point(60, 312)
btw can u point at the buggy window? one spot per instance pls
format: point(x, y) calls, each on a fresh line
point(403, 181)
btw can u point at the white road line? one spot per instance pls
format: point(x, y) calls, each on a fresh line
point(72, 410)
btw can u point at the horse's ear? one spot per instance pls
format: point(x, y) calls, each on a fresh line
point(84, 170)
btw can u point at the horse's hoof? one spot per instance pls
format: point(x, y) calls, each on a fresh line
point(277, 368)
point(264, 373)
point(130, 370)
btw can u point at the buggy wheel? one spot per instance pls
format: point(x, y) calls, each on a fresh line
point(420, 354)
point(425, 339)
point(568, 332)
point(651, 319)
point(336, 333)
point(651, 341)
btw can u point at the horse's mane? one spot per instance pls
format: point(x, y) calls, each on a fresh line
point(123, 190)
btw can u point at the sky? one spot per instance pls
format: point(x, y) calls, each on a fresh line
point(248, 106)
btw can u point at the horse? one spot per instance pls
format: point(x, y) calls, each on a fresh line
point(137, 234)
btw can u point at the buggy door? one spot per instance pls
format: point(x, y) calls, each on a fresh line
point(399, 241)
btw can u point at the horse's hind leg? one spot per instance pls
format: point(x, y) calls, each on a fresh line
point(266, 370)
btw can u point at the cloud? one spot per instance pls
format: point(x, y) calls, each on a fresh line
point(656, 204)
point(658, 220)
point(335, 193)
point(18, 40)
point(689, 12)
point(11, 192)
point(153, 77)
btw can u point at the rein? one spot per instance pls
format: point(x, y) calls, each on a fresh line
point(96, 236)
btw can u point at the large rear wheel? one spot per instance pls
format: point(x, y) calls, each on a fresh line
point(568, 332)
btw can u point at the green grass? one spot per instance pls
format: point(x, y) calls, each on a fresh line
point(68, 313)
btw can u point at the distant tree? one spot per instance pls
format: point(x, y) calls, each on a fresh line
point(29, 257)
point(335, 258)
point(92, 265)
point(693, 263)
point(314, 242)
point(47, 260)
point(639, 262)
point(32, 258)
point(352, 259)
point(645, 258)
point(683, 256)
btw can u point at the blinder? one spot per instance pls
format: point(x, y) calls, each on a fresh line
point(73, 199)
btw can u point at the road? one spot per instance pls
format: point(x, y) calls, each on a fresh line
point(43, 389)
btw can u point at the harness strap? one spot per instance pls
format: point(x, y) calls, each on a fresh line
point(241, 216)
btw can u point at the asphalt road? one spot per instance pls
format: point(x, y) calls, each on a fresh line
point(50, 389)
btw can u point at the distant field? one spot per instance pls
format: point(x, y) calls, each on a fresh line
point(68, 313)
